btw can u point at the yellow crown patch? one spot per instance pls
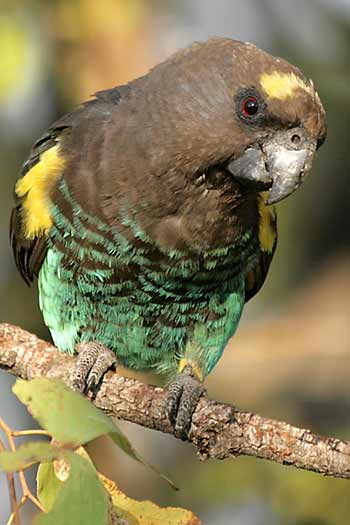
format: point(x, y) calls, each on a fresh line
point(283, 85)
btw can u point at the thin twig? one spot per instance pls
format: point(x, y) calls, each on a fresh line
point(12, 492)
point(26, 492)
point(20, 504)
point(35, 432)
point(218, 430)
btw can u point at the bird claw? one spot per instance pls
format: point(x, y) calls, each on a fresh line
point(93, 361)
point(183, 396)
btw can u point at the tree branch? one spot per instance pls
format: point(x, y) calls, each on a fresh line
point(218, 430)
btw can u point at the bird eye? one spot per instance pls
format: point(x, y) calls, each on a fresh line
point(250, 106)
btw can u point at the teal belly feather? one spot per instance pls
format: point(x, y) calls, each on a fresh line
point(182, 305)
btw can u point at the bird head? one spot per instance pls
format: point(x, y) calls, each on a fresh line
point(228, 103)
point(282, 113)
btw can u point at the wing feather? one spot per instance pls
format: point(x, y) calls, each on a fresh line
point(29, 251)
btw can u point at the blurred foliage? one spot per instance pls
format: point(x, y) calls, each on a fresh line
point(293, 494)
point(55, 54)
point(12, 43)
point(69, 488)
point(93, 44)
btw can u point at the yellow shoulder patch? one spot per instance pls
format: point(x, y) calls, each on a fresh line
point(282, 85)
point(34, 187)
point(267, 228)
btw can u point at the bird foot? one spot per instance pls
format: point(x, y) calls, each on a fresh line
point(93, 361)
point(183, 396)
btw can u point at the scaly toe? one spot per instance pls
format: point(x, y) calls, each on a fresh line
point(175, 390)
point(93, 361)
point(183, 396)
point(105, 360)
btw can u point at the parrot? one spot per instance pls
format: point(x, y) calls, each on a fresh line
point(147, 214)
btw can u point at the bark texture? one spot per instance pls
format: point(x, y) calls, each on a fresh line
point(218, 430)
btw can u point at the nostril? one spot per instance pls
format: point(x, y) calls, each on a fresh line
point(296, 139)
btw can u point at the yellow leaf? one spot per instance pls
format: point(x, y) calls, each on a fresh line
point(147, 512)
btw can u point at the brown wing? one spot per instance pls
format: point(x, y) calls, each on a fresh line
point(267, 245)
point(29, 251)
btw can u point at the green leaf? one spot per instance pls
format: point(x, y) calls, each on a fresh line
point(47, 485)
point(70, 418)
point(27, 455)
point(127, 447)
point(81, 499)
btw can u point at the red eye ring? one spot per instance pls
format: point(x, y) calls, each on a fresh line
point(250, 106)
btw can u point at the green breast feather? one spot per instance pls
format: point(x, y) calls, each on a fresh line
point(157, 315)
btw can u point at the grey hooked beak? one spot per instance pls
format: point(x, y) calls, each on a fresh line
point(278, 164)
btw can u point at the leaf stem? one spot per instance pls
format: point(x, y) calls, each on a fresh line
point(35, 432)
point(26, 492)
point(12, 493)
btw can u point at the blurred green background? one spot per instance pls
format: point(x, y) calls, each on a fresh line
point(291, 357)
